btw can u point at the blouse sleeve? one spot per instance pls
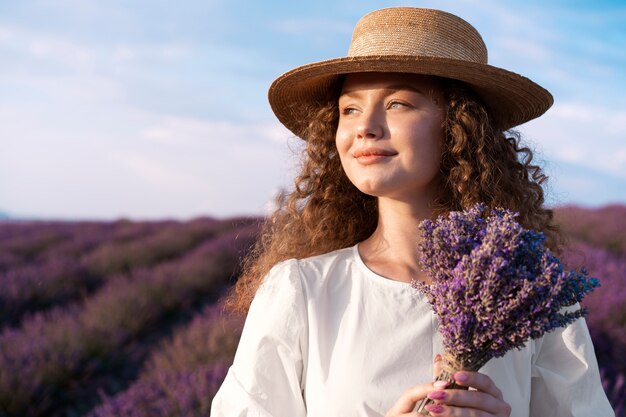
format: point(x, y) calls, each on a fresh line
point(267, 373)
point(565, 376)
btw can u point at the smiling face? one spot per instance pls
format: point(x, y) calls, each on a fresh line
point(389, 134)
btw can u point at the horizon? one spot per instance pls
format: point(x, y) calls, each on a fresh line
point(9, 219)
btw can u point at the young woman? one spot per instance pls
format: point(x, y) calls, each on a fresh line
point(411, 124)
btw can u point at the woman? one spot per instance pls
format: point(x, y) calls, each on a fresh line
point(411, 124)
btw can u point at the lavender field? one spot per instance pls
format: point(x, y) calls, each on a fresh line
point(104, 319)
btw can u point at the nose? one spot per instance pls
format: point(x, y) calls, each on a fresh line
point(370, 125)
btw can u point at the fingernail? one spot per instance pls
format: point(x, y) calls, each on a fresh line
point(440, 384)
point(438, 358)
point(434, 408)
point(460, 376)
point(437, 395)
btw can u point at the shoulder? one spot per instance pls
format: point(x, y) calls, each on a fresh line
point(282, 298)
point(327, 260)
point(309, 272)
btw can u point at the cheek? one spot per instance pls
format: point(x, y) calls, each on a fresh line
point(438, 145)
point(342, 144)
point(436, 136)
point(434, 151)
point(435, 133)
point(427, 145)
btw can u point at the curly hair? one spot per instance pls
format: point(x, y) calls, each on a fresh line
point(325, 211)
point(482, 163)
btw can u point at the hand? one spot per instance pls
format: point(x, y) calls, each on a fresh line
point(484, 401)
point(406, 403)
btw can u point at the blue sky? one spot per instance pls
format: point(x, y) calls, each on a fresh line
point(158, 109)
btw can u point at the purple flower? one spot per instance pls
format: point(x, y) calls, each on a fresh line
point(494, 284)
point(163, 394)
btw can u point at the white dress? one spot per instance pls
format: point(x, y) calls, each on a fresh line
point(326, 336)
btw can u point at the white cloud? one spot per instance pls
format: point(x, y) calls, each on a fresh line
point(275, 132)
point(607, 121)
point(174, 51)
point(172, 180)
point(54, 173)
point(181, 131)
point(60, 50)
point(577, 184)
point(44, 47)
point(6, 34)
point(583, 134)
point(37, 50)
point(123, 53)
point(226, 166)
point(525, 48)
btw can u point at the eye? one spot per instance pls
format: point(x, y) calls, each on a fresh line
point(397, 105)
point(345, 111)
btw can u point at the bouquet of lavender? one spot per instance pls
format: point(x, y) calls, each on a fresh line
point(494, 286)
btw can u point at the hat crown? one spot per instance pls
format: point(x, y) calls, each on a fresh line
point(417, 32)
point(414, 41)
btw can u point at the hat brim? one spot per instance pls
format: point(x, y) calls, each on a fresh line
point(512, 99)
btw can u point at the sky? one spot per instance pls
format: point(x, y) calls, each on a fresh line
point(154, 109)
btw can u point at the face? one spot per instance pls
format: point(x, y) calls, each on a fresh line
point(389, 134)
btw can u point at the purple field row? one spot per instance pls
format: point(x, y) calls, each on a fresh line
point(123, 318)
point(49, 352)
point(80, 262)
point(181, 376)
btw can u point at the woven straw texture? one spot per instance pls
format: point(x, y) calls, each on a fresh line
point(418, 41)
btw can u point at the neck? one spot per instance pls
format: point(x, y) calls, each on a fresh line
point(391, 250)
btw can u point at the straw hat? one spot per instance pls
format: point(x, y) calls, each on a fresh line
point(418, 41)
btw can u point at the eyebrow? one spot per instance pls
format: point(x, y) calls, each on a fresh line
point(391, 89)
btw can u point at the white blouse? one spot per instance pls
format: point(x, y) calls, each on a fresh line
point(326, 336)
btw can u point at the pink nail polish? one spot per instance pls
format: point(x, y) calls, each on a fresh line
point(460, 376)
point(440, 384)
point(437, 395)
point(434, 408)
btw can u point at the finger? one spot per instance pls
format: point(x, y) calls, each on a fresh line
point(480, 382)
point(469, 400)
point(406, 402)
point(437, 365)
point(449, 411)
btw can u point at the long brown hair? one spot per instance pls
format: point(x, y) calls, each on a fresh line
point(325, 211)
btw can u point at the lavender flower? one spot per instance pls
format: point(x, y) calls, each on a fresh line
point(494, 284)
point(166, 394)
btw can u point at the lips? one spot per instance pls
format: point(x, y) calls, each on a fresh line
point(373, 155)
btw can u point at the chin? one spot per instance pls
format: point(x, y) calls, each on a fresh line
point(372, 191)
